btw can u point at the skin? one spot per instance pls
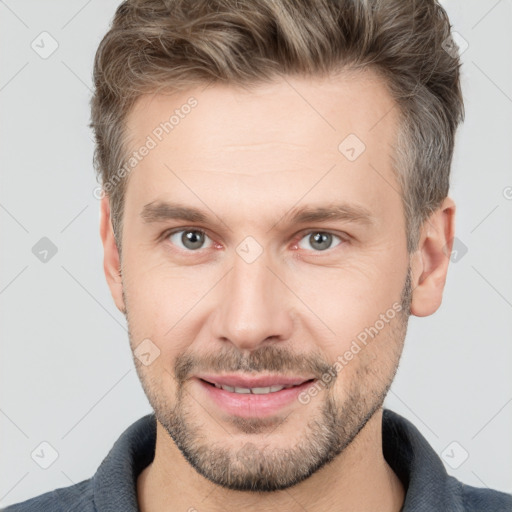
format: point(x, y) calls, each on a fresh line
point(246, 159)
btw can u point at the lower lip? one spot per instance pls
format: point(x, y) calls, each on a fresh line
point(248, 405)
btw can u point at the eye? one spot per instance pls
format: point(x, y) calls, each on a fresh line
point(188, 239)
point(319, 240)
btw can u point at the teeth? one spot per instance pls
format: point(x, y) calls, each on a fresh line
point(262, 391)
point(254, 391)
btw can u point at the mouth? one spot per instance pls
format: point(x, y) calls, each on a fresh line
point(258, 397)
point(257, 390)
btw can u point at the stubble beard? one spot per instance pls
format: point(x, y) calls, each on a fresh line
point(258, 466)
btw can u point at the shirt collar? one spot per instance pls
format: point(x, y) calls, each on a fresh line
point(427, 484)
point(115, 481)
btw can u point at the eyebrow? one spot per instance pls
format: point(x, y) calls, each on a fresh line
point(162, 211)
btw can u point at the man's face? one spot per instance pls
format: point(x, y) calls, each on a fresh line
point(251, 291)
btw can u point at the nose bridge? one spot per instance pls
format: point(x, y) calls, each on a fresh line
point(253, 305)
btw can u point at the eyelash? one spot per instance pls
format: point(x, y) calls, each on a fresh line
point(300, 236)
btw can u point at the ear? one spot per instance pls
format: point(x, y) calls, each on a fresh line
point(111, 260)
point(430, 261)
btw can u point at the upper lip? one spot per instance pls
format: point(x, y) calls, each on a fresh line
point(263, 381)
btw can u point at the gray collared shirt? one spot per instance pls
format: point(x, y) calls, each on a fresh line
point(113, 488)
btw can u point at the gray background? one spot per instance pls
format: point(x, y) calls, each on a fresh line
point(66, 373)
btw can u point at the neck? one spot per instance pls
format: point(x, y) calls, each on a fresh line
point(358, 479)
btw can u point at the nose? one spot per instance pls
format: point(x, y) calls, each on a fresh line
point(253, 307)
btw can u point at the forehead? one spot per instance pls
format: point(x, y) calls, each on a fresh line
point(285, 109)
point(265, 143)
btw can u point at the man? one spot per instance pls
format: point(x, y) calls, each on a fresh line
point(276, 205)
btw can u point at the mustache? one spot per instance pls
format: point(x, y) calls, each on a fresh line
point(268, 358)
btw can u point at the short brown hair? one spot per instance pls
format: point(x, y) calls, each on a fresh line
point(169, 45)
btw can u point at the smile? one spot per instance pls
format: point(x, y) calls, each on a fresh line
point(254, 401)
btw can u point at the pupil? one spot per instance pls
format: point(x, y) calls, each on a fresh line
point(192, 239)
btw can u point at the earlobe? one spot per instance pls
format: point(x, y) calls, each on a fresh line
point(430, 261)
point(111, 260)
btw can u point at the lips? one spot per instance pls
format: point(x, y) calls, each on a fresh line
point(256, 397)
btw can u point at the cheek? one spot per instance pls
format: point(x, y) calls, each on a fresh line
point(348, 303)
point(347, 299)
point(163, 303)
point(155, 288)
point(367, 362)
